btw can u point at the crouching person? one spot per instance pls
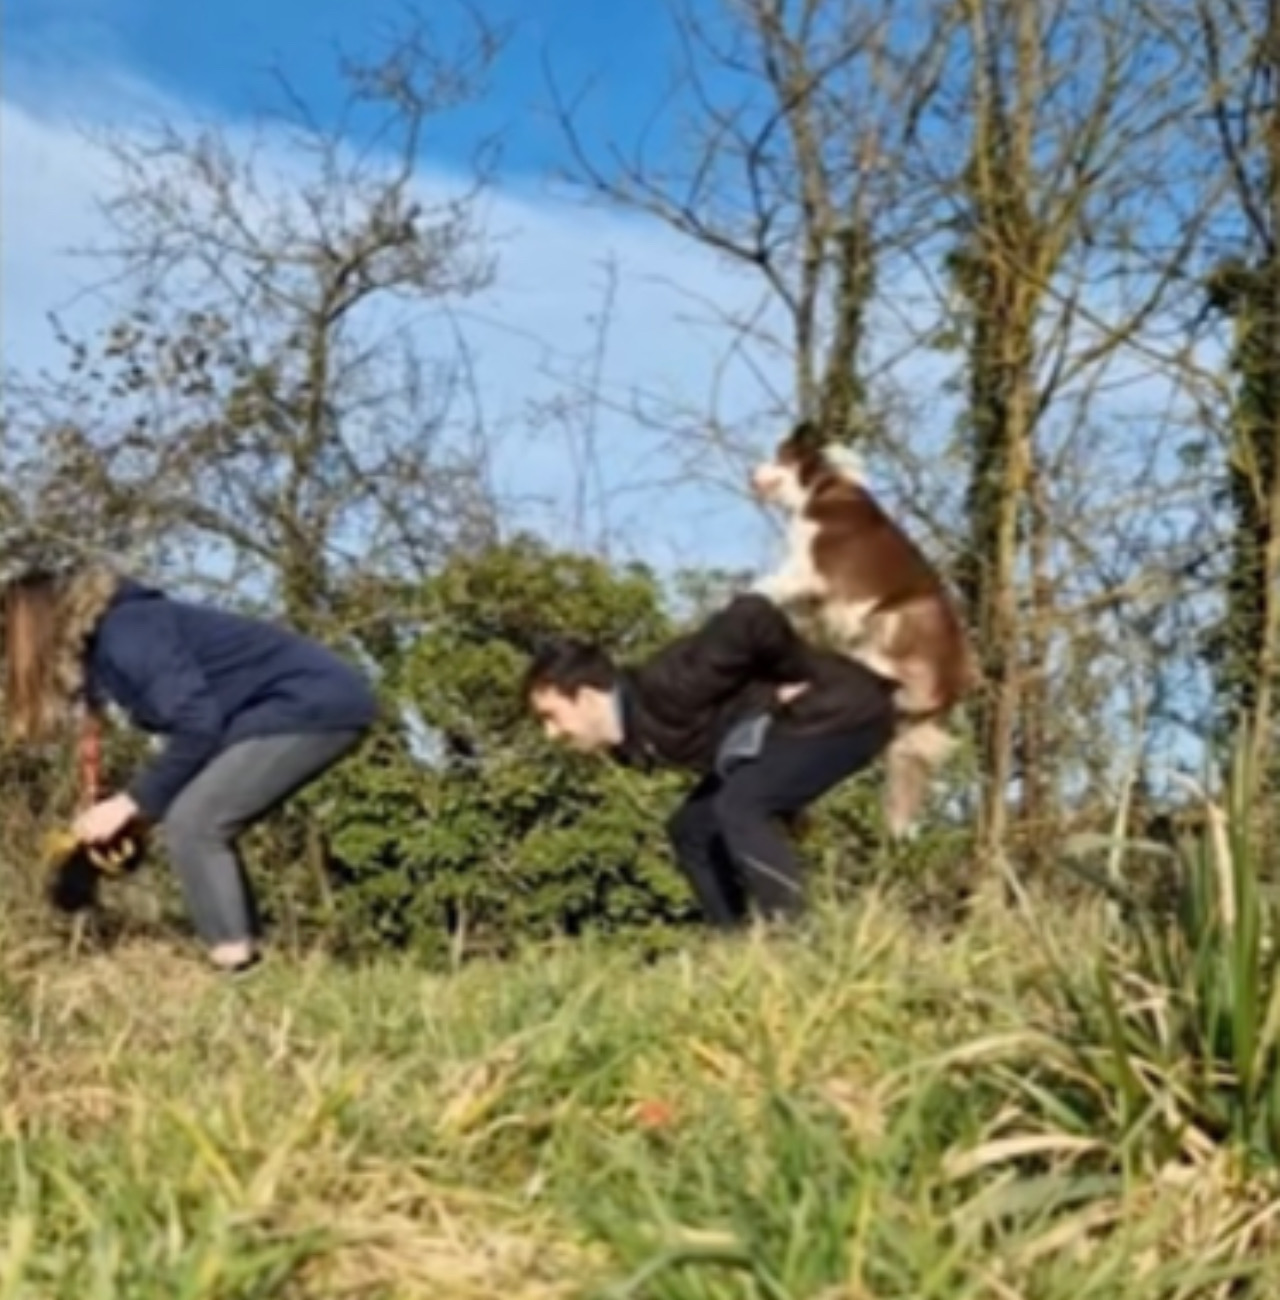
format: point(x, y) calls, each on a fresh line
point(250, 712)
point(766, 721)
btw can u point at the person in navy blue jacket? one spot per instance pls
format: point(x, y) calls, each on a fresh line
point(250, 712)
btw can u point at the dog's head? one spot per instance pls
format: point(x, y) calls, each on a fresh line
point(801, 464)
point(75, 869)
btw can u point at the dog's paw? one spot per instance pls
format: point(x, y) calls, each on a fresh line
point(784, 592)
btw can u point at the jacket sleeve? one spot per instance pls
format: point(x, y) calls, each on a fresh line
point(168, 683)
point(751, 636)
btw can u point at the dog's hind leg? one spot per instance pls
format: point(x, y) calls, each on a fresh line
point(913, 757)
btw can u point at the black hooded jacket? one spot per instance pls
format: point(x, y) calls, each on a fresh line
point(679, 704)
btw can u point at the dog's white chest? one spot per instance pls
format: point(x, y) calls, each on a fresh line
point(797, 577)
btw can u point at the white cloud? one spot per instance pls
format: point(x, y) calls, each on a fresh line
point(530, 334)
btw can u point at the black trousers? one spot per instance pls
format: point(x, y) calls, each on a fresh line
point(726, 834)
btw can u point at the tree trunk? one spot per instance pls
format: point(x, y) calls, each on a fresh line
point(1267, 458)
point(1004, 303)
point(1037, 814)
point(843, 404)
point(1249, 658)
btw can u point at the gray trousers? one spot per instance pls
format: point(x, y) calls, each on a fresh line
point(240, 785)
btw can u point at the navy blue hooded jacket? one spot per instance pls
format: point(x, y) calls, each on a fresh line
point(206, 679)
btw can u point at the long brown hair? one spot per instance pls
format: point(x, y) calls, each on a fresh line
point(32, 636)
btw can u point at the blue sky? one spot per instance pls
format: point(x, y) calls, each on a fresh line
point(74, 63)
point(219, 56)
point(71, 63)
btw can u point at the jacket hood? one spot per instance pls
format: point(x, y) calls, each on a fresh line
point(86, 597)
point(128, 590)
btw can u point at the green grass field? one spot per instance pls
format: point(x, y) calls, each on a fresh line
point(864, 1109)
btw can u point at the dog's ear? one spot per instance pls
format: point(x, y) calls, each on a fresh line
point(805, 437)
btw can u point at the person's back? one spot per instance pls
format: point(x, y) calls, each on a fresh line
point(264, 678)
point(688, 695)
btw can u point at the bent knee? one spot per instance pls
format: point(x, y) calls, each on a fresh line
point(688, 822)
point(735, 811)
point(190, 825)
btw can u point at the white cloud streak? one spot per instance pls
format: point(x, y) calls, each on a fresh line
point(531, 336)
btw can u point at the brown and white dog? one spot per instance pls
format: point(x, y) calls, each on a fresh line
point(877, 597)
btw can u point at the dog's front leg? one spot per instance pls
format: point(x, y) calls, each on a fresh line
point(792, 584)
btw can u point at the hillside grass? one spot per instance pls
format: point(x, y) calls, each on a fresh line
point(849, 1111)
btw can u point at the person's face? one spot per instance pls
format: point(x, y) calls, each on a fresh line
point(585, 720)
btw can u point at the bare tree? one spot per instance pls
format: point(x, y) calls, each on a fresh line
point(1070, 115)
point(999, 178)
point(282, 394)
point(789, 168)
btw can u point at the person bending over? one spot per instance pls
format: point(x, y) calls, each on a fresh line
point(768, 722)
point(251, 713)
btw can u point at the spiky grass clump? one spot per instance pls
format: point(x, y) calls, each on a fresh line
point(1153, 1076)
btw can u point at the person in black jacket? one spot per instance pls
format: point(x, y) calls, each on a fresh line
point(251, 712)
point(768, 722)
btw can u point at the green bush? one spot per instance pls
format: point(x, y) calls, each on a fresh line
point(481, 833)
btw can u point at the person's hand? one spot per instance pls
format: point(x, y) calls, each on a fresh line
point(104, 821)
point(789, 690)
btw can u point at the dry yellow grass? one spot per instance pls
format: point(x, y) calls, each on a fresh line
point(820, 1115)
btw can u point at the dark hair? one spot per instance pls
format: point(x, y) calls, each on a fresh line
point(567, 666)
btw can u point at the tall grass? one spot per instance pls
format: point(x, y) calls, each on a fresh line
point(1034, 1106)
point(1154, 1066)
point(826, 1115)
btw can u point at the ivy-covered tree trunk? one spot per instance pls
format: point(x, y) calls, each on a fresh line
point(1000, 403)
point(1038, 812)
point(1247, 658)
point(843, 405)
point(1256, 479)
point(996, 275)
